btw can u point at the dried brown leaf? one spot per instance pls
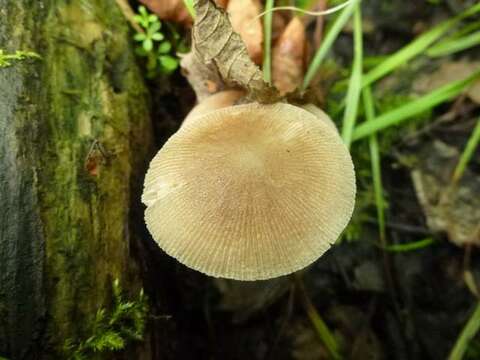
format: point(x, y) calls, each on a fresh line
point(447, 72)
point(279, 22)
point(222, 3)
point(450, 208)
point(288, 55)
point(204, 78)
point(170, 10)
point(216, 44)
point(245, 21)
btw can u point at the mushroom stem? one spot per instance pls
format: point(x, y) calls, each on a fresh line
point(217, 101)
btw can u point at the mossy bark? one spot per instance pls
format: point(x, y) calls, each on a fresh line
point(74, 136)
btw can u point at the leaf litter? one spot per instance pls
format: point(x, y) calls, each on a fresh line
point(218, 48)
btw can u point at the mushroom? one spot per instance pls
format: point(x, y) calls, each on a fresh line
point(230, 97)
point(250, 192)
point(217, 101)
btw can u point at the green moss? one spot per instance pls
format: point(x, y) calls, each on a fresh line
point(7, 59)
point(112, 330)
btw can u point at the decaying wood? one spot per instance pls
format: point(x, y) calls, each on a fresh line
point(75, 134)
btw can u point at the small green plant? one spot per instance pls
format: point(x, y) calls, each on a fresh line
point(154, 45)
point(6, 59)
point(112, 330)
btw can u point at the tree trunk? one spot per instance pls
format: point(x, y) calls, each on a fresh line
point(74, 136)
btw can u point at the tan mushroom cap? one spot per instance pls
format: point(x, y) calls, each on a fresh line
point(320, 114)
point(250, 192)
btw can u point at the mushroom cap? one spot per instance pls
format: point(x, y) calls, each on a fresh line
point(250, 192)
point(320, 114)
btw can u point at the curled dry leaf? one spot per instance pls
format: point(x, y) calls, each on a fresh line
point(204, 78)
point(171, 10)
point(245, 21)
point(215, 45)
point(279, 22)
point(450, 208)
point(288, 55)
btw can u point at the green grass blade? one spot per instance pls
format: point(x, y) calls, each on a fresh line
point(191, 9)
point(415, 107)
point(355, 83)
point(467, 154)
point(318, 323)
point(375, 164)
point(415, 245)
point(416, 47)
point(468, 333)
point(267, 42)
point(452, 46)
point(327, 43)
point(467, 29)
point(322, 330)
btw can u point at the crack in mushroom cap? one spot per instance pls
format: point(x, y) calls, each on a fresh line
point(250, 192)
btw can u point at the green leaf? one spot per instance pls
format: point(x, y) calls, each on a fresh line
point(168, 63)
point(142, 10)
point(164, 47)
point(416, 47)
point(158, 36)
point(148, 44)
point(154, 27)
point(413, 108)
point(153, 18)
point(139, 37)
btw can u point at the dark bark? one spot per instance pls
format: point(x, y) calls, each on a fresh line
point(74, 137)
